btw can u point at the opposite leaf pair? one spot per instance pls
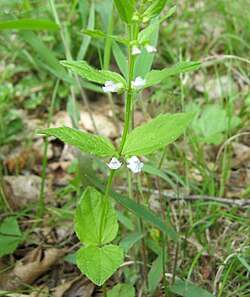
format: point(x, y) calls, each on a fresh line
point(97, 260)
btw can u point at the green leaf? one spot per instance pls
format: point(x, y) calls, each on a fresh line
point(126, 9)
point(189, 290)
point(154, 77)
point(10, 236)
point(140, 211)
point(157, 133)
point(99, 263)
point(27, 24)
point(129, 240)
point(145, 34)
point(90, 73)
point(88, 143)
point(155, 273)
point(155, 171)
point(154, 9)
point(88, 218)
point(120, 59)
point(144, 61)
point(122, 290)
point(86, 40)
point(100, 34)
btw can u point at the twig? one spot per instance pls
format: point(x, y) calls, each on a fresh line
point(171, 196)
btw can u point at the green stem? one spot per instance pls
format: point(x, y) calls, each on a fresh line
point(104, 290)
point(40, 211)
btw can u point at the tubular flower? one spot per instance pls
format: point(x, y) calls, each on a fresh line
point(110, 86)
point(151, 49)
point(114, 163)
point(138, 83)
point(135, 165)
point(136, 51)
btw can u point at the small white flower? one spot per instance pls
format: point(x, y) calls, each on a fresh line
point(151, 49)
point(136, 51)
point(114, 163)
point(138, 83)
point(110, 86)
point(134, 164)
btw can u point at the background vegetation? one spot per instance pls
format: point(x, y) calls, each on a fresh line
point(189, 178)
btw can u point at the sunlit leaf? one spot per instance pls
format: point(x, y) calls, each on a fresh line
point(98, 264)
point(90, 73)
point(88, 143)
point(157, 133)
point(88, 219)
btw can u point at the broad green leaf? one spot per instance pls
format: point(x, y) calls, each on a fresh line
point(189, 290)
point(10, 236)
point(157, 133)
point(98, 264)
point(145, 34)
point(90, 73)
point(126, 9)
point(129, 240)
point(155, 273)
point(122, 290)
point(100, 34)
point(27, 24)
point(88, 218)
point(140, 211)
point(88, 143)
point(154, 9)
point(154, 77)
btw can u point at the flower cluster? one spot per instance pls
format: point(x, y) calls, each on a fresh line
point(149, 48)
point(111, 87)
point(134, 164)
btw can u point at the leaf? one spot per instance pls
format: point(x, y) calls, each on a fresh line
point(88, 143)
point(140, 211)
point(212, 123)
point(144, 61)
point(100, 34)
point(126, 9)
point(145, 34)
point(90, 73)
point(129, 240)
point(122, 290)
point(99, 263)
point(88, 218)
point(189, 290)
point(155, 171)
point(86, 40)
point(157, 133)
point(120, 59)
point(10, 236)
point(27, 24)
point(154, 9)
point(154, 77)
point(155, 273)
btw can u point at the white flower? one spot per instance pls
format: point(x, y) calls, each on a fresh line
point(138, 83)
point(110, 86)
point(151, 49)
point(114, 163)
point(134, 164)
point(136, 51)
